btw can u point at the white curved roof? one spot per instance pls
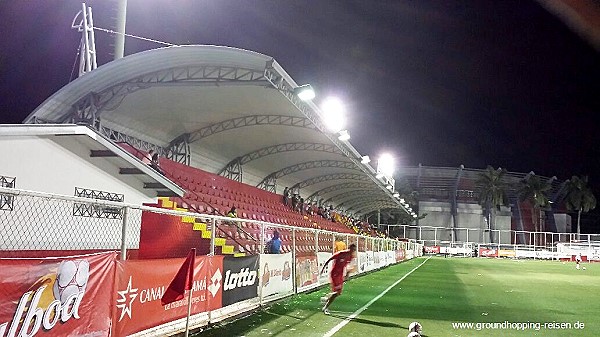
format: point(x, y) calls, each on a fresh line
point(228, 103)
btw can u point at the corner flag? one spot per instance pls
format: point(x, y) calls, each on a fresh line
point(183, 280)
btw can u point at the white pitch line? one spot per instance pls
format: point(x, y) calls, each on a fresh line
point(357, 312)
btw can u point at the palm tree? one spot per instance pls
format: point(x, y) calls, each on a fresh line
point(579, 197)
point(535, 190)
point(492, 194)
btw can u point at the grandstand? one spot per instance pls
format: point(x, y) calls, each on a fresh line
point(230, 132)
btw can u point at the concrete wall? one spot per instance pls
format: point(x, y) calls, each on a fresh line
point(564, 223)
point(470, 223)
point(59, 164)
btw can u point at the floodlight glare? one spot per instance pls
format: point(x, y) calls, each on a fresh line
point(305, 92)
point(365, 159)
point(344, 135)
point(379, 175)
point(386, 165)
point(333, 114)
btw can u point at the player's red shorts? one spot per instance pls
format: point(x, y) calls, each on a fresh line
point(337, 282)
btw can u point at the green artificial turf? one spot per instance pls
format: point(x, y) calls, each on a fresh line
point(439, 293)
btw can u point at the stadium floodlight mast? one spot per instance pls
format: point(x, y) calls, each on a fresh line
point(385, 165)
point(333, 114)
point(344, 136)
point(305, 92)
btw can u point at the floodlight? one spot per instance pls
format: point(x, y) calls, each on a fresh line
point(379, 175)
point(396, 195)
point(414, 216)
point(365, 159)
point(305, 92)
point(386, 164)
point(402, 201)
point(333, 114)
point(344, 135)
point(389, 187)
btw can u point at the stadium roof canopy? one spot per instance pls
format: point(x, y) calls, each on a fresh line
point(223, 110)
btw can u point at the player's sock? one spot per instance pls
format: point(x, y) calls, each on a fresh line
point(325, 311)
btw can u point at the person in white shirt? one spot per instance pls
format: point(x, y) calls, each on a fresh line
point(578, 260)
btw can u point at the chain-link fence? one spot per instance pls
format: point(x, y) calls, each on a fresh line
point(36, 224)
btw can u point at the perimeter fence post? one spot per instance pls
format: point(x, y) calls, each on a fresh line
point(124, 234)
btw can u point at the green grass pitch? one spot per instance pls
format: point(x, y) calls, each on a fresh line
point(441, 292)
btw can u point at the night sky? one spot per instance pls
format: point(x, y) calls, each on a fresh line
point(441, 83)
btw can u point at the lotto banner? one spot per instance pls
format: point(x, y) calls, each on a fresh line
point(307, 273)
point(276, 274)
point(64, 296)
point(140, 285)
point(240, 279)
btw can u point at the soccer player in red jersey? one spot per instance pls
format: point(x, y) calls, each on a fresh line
point(340, 260)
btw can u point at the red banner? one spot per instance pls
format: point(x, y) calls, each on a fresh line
point(141, 284)
point(432, 249)
point(487, 252)
point(400, 255)
point(64, 296)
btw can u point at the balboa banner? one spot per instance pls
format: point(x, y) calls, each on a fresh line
point(240, 279)
point(307, 273)
point(56, 296)
point(276, 276)
point(140, 284)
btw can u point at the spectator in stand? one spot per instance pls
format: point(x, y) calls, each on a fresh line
point(321, 211)
point(147, 159)
point(286, 196)
point(233, 214)
point(295, 201)
point(302, 206)
point(339, 244)
point(274, 245)
point(155, 161)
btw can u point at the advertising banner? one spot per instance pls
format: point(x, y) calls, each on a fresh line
point(391, 257)
point(307, 272)
point(432, 249)
point(276, 274)
point(506, 253)
point(64, 296)
point(400, 255)
point(370, 261)
point(362, 262)
point(382, 259)
point(240, 279)
point(139, 287)
point(321, 258)
point(488, 252)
